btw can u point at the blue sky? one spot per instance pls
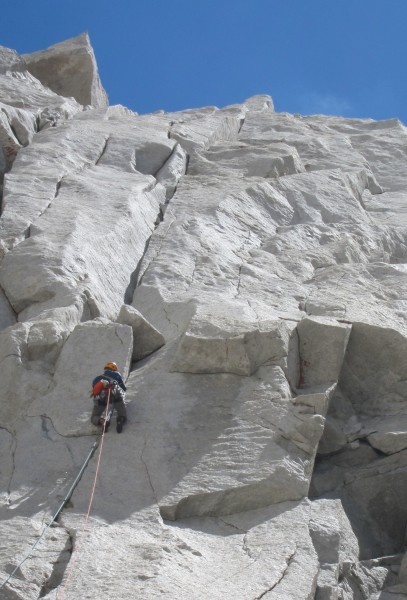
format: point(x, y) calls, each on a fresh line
point(345, 57)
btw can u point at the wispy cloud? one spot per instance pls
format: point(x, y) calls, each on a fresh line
point(324, 103)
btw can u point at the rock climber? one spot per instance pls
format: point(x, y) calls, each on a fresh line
point(111, 379)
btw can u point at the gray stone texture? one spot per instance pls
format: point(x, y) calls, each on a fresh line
point(146, 338)
point(246, 270)
point(69, 69)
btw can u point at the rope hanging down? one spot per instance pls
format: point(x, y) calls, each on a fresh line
point(73, 561)
point(68, 496)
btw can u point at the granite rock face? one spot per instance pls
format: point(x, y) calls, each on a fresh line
point(69, 69)
point(246, 269)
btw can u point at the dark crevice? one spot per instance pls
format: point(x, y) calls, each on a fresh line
point(163, 208)
point(171, 155)
point(349, 574)
point(59, 568)
point(322, 458)
point(134, 277)
point(169, 132)
point(160, 217)
point(187, 163)
point(242, 531)
point(242, 120)
point(1, 186)
point(15, 133)
point(168, 158)
point(44, 427)
point(146, 469)
point(10, 304)
point(165, 223)
point(239, 277)
point(57, 188)
point(135, 281)
point(28, 232)
point(370, 483)
point(104, 148)
point(13, 449)
point(91, 309)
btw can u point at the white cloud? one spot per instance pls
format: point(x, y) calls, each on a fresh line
point(321, 103)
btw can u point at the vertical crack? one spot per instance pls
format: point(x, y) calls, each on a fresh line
point(91, 309)
point(57, 188)
point(242, 121)
point(172, 170)
point(243, 532)
point(44, 428)
point(2, 290)
point(146, 468)
point(247, 549)
point(104, 148)
point(69, 449)
point(14, 131)
point(58, 185)
point(59, 567)
point(166, 223)
point(1, 181)
point(13, 449)
point(135, 278)
point(240, 251)
point(239, 275)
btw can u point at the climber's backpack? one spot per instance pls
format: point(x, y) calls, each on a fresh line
point(99, 389)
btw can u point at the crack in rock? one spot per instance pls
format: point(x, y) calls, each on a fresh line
point(239, 275)
point(59, 566)
point(119, 336)
point(242, 121)
point(170, 321)
point(242, 531)
point(146, 468)
point(102, 152)
point(46, 430)
point(135, 277)
point(246, 241)
point(247, 550)
point(2, 289)
point(13, 449)
point(289, 561)
point(165, 223)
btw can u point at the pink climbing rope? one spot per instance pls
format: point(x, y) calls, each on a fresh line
point(82, 532)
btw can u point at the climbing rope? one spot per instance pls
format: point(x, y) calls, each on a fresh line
point(82, 532)
point(69, 494)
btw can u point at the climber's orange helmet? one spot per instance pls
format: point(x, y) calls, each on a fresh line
point(111, 366)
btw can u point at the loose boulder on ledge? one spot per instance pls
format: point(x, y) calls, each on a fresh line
point(146, 338)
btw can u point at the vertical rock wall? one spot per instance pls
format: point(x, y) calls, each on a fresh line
point(246, 270)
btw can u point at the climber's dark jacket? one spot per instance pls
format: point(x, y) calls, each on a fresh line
point(109, 374)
